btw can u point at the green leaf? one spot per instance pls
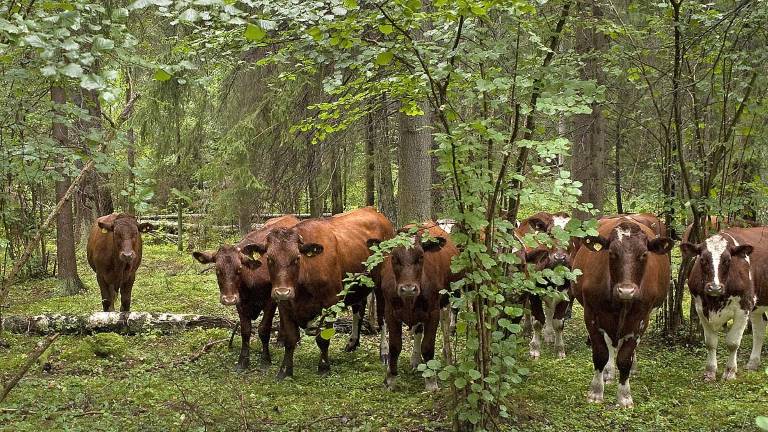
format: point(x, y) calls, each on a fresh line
point(315, 32)
point(72, 70)
point(190, 15)
point(762, 422)
point(339, 11)
point(384, 58)
point(103, 44)
point(460, 382)
point(328, 333)
point(91, 82)
point(386, 29)
point(161, 75)
point(254, 32)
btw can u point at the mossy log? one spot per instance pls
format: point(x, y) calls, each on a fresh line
point(117, 322)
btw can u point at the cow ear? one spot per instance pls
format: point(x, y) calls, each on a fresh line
point(249, 262)
point(251, 248)
point(535, 255)
point(106, 226)
point(596, 243)
point(146, 227)
point(690, 249)
point(372, 242)
point(311, 249)
point(205, 257)
point(661, 245)
point(742, 251)
point(537, 224)
point(433, 244)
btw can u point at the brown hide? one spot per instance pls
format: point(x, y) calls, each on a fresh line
point(307, 264)
point(412, 279)
point(114, 253)
point(648, 219)
point(244, 282)
point(625, 275)
point(716, 223)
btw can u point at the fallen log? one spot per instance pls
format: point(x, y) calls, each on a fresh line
point(117, 322)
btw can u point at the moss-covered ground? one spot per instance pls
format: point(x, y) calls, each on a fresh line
point(138, 385)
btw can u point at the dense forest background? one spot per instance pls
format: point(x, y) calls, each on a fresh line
point(482, 111)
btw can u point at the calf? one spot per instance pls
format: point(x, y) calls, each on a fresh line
point(307, 264)
point(728, 281)
point(244, 283)
point(625, 275)
point(411, 281)
point(114, 253)
point(548, 311)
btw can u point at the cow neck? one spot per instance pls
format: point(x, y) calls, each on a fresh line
point(749, 262)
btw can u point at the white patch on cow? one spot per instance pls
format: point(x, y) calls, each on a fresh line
point(416, 354)
point(446, 224)
point(535, 344)
point(749, 263)
point(608, 371)
point(712, 321)
point(550, 303)
point(622, 232)
point(355, 327)
point(716, 245)
point(384, 345)
point(758, 335)
point(624, 395)
point(560, 221)
point(596, 388)
point(733, 342)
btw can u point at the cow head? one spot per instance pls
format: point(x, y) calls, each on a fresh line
point(283, 251)
point(408, 263)
point(721, 264)
point(126, 234)
point(628, 248)
point(548, 256)
point(230, 264)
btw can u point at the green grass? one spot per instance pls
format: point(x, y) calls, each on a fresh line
point(140, 391)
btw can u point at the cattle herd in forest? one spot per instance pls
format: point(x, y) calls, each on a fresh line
point(298, 268)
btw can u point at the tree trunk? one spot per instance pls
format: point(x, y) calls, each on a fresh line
point(589, 148)
point(337, 185)
point(385, 186)
point(414, 185)
point(313, 174)
point(131, 158)
point(65, 237)
point(370, 153)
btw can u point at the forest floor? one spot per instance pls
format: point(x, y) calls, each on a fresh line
point(139, 387)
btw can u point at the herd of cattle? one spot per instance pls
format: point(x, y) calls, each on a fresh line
point(298, 268)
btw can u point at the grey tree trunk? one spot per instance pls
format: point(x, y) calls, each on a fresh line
point(589, 146)
point(385, 185)
point(69, 281)
point(370, 154)
point(337, 183)
point(414, 185)
point(313, 174)
point(131, 157)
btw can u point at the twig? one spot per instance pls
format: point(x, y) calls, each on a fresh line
point(39, 350)
point(242, 413)
point(203, 350)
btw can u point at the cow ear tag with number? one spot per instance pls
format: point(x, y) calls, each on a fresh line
point(597, 247)
point(104, 231)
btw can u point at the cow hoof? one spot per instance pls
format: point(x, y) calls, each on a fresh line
point(729, 375)
point(710, 376)
point(753, 365)
point(535, 354)
point(351, 346)
point(384, 359)
point(431, 385)
point(594, 398)
point(389, 383)
point(283, 374)
point(242, 366)
point(561, 355)
point(323, 368)
point(626, 403)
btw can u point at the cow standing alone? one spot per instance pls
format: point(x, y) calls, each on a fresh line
point(729, 281)
point(244, 283)
point(114, 253)
point(625, 275)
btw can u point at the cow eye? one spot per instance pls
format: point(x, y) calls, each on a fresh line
point(270, 261)
point(643, 255)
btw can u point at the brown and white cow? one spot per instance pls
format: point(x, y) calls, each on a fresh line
point(625, 275)
point(548, 311)
point(114, 253)
point(411, 281)
point(307, 264)
point(244, 283)
point(729, 281)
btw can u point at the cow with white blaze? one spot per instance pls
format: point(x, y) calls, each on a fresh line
point(729, 281)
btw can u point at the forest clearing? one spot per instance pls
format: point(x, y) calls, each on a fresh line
point(402, 215)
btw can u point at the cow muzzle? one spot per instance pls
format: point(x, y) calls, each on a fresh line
point(408, 290)
point(626, 291)
point(283, 293)
point(229, 300)
point(127, 256)
point(560, 258)
point(713, 289)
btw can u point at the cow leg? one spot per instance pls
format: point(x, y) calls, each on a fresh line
point(244, 361)
point(107, 296)
point(291, 337)
point(125, 294)
point(610, 368)
point(710, 340)
point(733, 341)
point(428, 349)
point(384, 345)
point(537, 322)
point(624, 361)
point(445, 327)
point(395, 330)
point(265, 331)
point(558, 324)
point(418, 336)
point(549, 314)
point(759, 323)
point(599, 360)
point(358, 311)
point(324, 364)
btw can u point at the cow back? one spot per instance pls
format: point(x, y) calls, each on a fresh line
point(758, 238)
point(102, 250)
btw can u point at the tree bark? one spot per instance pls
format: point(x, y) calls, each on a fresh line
point(370, 153)
point(385, 185)
point(337, 184)
point(589, 148)
point(414, 185)
point(69, 281)
point(313, 174)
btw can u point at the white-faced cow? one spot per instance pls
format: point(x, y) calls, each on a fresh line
point(729, 281)
point(625, 275)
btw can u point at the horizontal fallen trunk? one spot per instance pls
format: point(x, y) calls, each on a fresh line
point(173, 227)
point(117, 322)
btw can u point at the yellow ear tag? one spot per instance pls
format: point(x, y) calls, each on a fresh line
point(597, 246)
point(104, 231)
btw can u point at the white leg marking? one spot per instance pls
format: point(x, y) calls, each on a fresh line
point(416, 354)
point(549, 314)
point(384, 345)
point(596, 388)
point(535, 344)
point(610, 367)
point(758, 335)
point(559, 344)
point(733, 340)
point(624, 395)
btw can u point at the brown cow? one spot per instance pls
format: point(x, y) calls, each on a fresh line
point(245, 284)
point(625, 275)
point(114, 253)
point(411, 281)
point(307, 264)
point(548, 312)
point(648, 219)
point(729, 280)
